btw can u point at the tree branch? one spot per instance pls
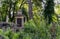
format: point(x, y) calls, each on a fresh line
point(22, 3)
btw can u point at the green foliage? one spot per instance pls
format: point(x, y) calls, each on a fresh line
point(16, 5)
point(24, 12)
point(31, 30)
point(49, 11)
point(35, 28)
point(39, 31)
point(9, 34)
point(9, 6)
point(37, 2)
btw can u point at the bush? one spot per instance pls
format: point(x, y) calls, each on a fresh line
point(40, 31)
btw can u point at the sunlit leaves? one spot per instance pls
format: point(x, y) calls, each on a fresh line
point(57, 9)
point(37, 2)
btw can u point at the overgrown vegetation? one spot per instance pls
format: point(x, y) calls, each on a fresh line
point(35, 28)
point(31, 30)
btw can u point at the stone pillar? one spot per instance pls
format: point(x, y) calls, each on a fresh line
point(7, 19)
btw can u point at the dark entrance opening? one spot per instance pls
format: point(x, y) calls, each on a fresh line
point(19, 22)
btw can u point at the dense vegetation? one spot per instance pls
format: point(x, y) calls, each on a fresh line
point(42, 20)
point(31, 30)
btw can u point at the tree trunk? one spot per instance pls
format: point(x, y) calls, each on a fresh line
point(30, 9)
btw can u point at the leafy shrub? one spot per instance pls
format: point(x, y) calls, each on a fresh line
point(9, 34)
point(40, 31)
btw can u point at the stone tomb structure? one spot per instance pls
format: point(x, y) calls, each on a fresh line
point(19, 22)
point(20, 19)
